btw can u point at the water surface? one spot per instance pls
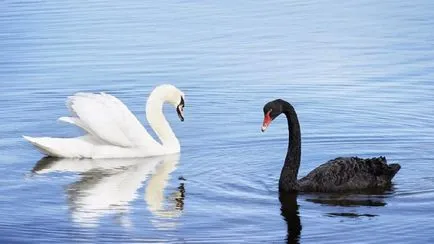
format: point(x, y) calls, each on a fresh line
point(359, 74)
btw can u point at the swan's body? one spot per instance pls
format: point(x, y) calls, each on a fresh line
point(338, 175)
point(112, 130)
point(349, 173)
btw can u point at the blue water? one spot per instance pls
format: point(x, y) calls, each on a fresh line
point(359, 73)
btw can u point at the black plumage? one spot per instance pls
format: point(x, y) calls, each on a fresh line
point(337, 175)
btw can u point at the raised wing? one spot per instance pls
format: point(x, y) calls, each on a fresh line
point(107, 118)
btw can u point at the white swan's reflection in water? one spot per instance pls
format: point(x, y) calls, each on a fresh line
point(108, 186)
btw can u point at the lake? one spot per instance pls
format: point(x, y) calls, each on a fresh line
point(359, 73)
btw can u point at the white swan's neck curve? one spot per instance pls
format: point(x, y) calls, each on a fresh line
point(157, 120)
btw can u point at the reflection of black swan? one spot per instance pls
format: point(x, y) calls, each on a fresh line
point(340, 174)
point(289, 211)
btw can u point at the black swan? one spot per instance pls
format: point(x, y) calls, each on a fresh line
point(337, 175)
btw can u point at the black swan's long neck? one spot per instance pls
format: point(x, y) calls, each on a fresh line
point(288, 176)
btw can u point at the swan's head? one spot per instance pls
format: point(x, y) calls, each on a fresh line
point(175, 97)
point(271, 111)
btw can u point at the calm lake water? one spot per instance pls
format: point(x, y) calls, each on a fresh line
point(359, 73)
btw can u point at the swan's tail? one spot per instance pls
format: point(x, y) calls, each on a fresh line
point(61, 147)
point(394, 168)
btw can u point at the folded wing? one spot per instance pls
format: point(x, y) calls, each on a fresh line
point(108, 119)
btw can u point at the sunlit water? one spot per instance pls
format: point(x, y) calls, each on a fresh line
point(359, 73)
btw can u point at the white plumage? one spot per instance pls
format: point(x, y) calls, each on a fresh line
point(112, 129)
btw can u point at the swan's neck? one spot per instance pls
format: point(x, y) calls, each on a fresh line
point(288, 176)
point(158, 122)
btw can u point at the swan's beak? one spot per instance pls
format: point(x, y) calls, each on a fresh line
point(264, 127)
point(180, 109)
point(267, 121)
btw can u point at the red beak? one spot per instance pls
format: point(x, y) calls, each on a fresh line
point(267, 121)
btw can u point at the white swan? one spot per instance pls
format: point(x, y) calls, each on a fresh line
point(112, 129)
point(110, 186)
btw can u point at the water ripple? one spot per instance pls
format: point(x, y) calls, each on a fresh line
point(359, 74)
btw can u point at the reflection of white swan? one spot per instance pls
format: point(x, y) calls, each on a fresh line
point(110, 185)
point(155, 199)
point(112, 129)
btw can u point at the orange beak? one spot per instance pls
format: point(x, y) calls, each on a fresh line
point(267, 121)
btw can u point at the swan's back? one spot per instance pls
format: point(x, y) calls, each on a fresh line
point(349, 174)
